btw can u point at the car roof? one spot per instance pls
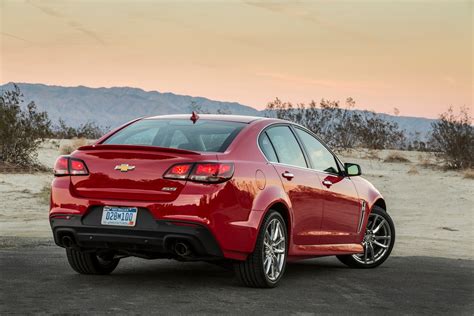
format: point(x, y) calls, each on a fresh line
point(213, 117)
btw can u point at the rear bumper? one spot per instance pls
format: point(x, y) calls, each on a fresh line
point(229, 220)
point(149, 238)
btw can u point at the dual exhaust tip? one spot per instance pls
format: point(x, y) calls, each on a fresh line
point(181, 249)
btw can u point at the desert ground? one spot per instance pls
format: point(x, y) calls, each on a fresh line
point(432, 209)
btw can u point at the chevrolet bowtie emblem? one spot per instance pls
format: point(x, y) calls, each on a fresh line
point(124, 167)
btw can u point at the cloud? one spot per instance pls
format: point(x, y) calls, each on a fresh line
point(15, 37)
point(78, 27)
point(71, 23)
point(301, 10)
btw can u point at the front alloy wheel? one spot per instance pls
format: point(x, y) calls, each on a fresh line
point(378, 241)
point(266, 265)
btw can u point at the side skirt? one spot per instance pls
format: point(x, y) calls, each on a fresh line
point(324, 250)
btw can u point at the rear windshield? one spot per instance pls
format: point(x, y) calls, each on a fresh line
point(204, 135)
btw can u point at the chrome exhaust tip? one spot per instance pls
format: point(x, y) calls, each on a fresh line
point(182, 249)
point(67, 242)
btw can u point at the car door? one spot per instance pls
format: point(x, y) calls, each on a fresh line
point(342, 208)
point(302, 184)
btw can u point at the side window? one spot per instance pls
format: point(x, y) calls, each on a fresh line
point(267, 148)
point(286, 146)
point(321, 158)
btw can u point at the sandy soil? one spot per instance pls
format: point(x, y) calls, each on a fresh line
point(433, 210)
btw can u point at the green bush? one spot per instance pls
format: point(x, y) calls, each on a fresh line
point(453, 139)
point(21, 130)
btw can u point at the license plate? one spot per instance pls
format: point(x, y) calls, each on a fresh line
point(119, 216)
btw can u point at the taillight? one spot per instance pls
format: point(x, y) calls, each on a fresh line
point(61, 166)
point(66, 166)
point(180, 172)
point(211, 172)
point(77, 167)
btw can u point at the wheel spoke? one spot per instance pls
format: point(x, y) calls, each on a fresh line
point(379, 226)
point(279, 241)
point(279, 251)
point(267, 264)
point(277, 231)
point(366, 249)
point(382, 237)
point(373, 223)
point(275, 268)
point(380, 244)
point(272, 230)
point(372, 251)
point(272, 270)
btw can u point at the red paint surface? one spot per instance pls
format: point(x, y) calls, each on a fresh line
point(321, 220)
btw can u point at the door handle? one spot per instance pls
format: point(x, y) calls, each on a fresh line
point(327, 183)
point(288, 175)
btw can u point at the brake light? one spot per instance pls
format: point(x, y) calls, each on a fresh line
point(61, 166)
point(77, 167)
point(180, 172)
point(211, 172)
point(66, 166)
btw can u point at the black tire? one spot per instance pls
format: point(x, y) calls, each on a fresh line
point(352, 262)
point(90, 263)
point(251, 271)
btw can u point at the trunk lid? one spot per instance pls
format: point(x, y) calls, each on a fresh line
point(127, 172)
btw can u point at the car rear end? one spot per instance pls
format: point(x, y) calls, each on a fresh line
point(157, 188)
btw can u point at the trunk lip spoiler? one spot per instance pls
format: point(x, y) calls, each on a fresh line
point(139, 148)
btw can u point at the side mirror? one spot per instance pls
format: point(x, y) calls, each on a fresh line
point(352, 169)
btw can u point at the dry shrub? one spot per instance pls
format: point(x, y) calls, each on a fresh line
point(44, 194)
point(453, 139)
point(396, 157)
point(427, 162)
point(372, 154)
point(6, 167)
point(67, 149)
point(413, 170)
point(469, 174)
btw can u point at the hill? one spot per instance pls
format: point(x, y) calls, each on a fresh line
point(117, 105)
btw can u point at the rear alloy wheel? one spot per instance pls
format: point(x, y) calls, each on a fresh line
point(91, 263)
point(378, 241)
point(266, 265)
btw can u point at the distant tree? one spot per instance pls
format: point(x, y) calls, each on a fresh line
point(89, 130)
point(340, 127)
point(21, 130)
point(223, 111)
point(196, 107)
point(453, 138)
point(377, 133)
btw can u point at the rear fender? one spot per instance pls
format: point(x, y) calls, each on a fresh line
point(264, 202)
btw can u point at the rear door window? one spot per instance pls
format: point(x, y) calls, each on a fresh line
point(286, 146)
point(203, 136)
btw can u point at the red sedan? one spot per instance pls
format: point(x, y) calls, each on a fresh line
point(253, 191)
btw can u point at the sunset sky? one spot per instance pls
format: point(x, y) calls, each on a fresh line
point(416, 56)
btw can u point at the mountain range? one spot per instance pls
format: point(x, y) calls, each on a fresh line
point(110, 107)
